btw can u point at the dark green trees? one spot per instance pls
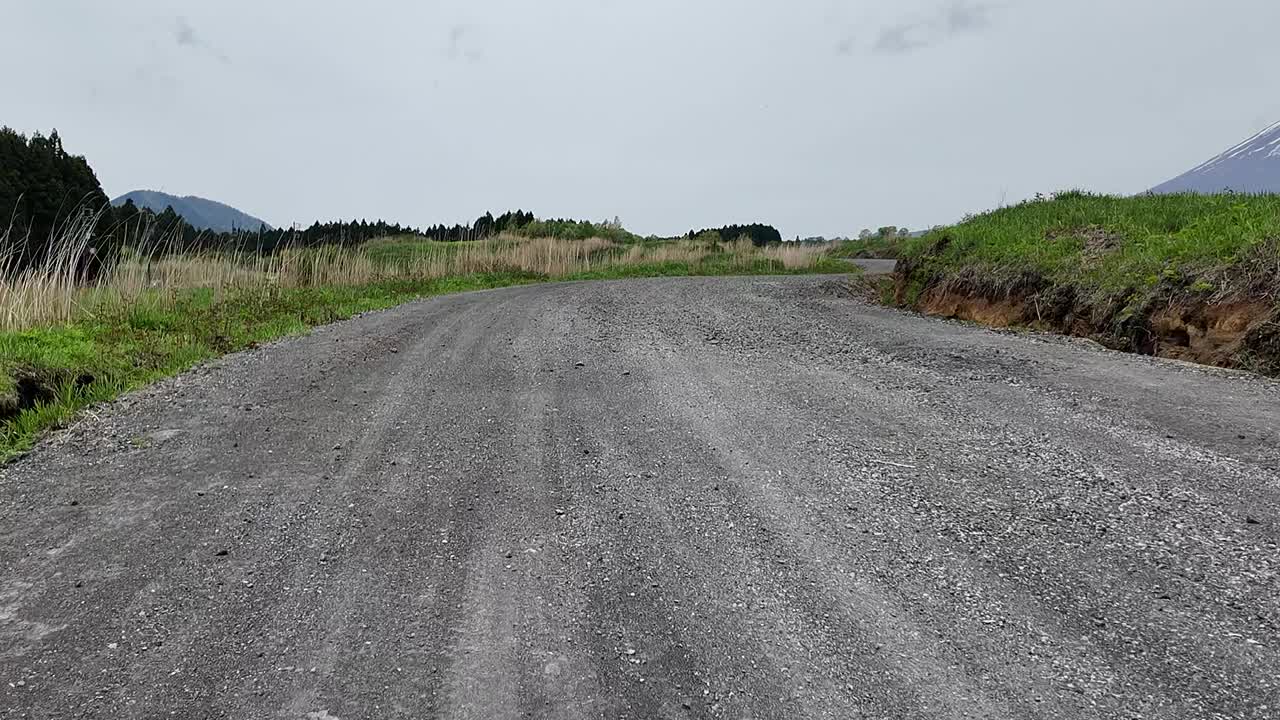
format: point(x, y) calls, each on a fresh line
point(42, 188)
point(759, 234)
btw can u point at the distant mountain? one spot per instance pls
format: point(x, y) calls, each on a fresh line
point(1253, 166)
point(201, 213)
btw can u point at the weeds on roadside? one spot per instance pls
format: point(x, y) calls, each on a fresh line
point(70, 340)
point(53, 292)
point(1107, 244)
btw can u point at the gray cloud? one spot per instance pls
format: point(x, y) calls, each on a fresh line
point(903, 38)
point(847, 45)
point(185, 36)
point(459, 48)
point(958, 18)
point(961, 17)
point(607, 125)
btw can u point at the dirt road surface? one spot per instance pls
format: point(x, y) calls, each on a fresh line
point(875, 266)
point(738, 498)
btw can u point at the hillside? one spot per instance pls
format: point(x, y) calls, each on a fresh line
point(201, 213)
point(1194, 277)
point(1253, 166)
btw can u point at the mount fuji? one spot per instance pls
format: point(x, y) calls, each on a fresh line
point(1253, 166)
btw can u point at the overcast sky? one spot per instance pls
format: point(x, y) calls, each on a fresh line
point(819, 116)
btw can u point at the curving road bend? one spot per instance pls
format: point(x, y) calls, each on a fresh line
point(735, 497)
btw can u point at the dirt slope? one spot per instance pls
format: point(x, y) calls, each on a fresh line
point(743, 497)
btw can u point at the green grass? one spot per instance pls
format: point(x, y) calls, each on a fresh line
point(1107, 245)
point(1194, 277)
point(578, 230)
point(399, 249)
point(114, 350)
point(872, 247)
point(123, 349)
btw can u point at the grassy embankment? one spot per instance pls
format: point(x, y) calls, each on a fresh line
point(64, 346)
point(877, 246)
point(1182, 276)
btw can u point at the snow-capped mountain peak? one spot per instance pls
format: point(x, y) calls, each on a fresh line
point(1253, 166)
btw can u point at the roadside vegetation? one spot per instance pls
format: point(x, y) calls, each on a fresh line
point(1194, 277)
point(96, 300)
point(67, 341)
point(885, 243)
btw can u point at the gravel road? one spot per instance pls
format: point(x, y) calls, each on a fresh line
point(734, 497)
point(875, 266)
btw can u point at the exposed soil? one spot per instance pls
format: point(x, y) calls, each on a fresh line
point(995, 313)
point(1209, 334)
point(1237, 333)
point(31, 388)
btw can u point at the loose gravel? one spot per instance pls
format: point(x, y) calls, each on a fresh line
point(722, 497)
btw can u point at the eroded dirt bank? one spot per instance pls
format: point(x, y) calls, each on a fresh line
point(1238, 332)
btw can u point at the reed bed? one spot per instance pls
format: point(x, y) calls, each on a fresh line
point(795, 257)
point(75, 330)
point(57, 291)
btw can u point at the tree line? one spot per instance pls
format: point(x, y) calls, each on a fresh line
point(44, 190)
point(759, 234)
point(41, 187)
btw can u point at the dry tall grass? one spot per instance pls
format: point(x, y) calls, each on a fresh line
point(795, 257)
point(50, 292)
point(54, 294)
